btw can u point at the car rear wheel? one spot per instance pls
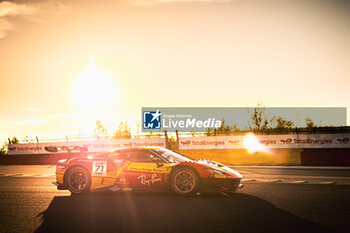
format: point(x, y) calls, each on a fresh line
point(185, 182)
point(78, 180)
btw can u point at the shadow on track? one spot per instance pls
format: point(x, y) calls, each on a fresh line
point(167, 213)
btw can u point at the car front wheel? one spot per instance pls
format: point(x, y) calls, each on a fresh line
point(185, 181)
point(78, 180)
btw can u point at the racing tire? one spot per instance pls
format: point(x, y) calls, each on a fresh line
point(78, 180)
point(185, 181)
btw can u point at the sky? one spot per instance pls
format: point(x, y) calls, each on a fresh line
point(65, 64)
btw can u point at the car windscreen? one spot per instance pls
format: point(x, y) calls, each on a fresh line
point(171, 156)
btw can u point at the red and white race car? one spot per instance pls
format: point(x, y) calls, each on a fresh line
point(135, 168)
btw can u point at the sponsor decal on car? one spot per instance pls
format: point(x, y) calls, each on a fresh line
point(60, 167)
point(143, 179)
point(122, 181)
point(117, 161)
point(99, 168)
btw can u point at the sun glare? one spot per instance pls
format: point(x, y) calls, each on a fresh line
point(252, 143)
point(94, 90)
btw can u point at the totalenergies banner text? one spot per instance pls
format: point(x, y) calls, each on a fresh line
point(82, 146)
point(268, 141)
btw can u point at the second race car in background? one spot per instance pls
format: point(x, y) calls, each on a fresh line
point(154, 167)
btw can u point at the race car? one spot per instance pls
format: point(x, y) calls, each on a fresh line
point(140, 168)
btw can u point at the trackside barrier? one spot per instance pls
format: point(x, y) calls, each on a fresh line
point(75, 147)
point(289, 149)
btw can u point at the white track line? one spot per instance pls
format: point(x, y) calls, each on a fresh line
point(295, 167)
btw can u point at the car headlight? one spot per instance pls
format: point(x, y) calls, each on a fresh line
point(62, 161)
point(213, 171)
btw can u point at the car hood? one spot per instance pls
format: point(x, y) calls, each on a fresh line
point(218, 166)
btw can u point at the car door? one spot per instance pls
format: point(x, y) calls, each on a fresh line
point(146, 169)
point(104, 170)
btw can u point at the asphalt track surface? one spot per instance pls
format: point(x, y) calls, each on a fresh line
point(272, 200)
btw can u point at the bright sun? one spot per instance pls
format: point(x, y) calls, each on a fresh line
point(251, 142)
point(94, 90)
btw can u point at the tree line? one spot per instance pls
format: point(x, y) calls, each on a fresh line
point(260, 121)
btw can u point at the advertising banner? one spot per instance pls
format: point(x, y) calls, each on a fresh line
point(82, 146)
point(267, 141)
